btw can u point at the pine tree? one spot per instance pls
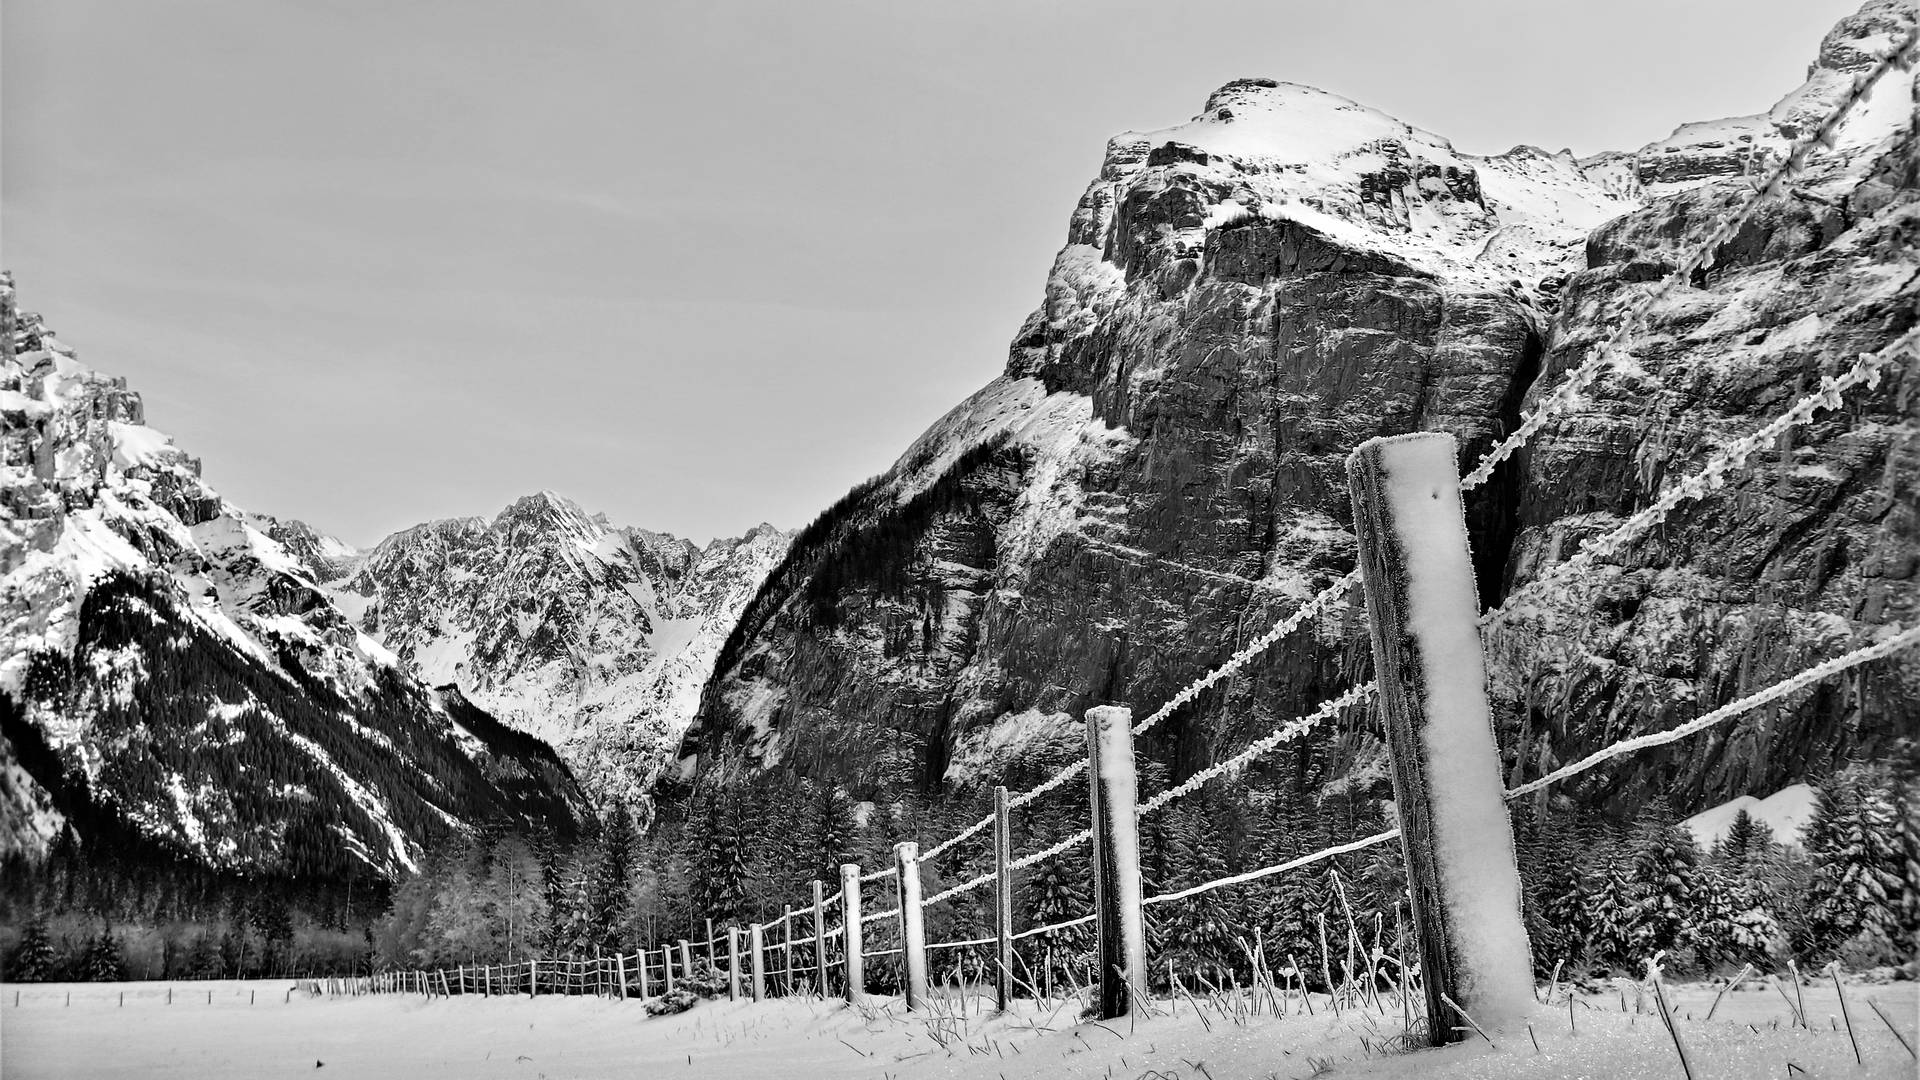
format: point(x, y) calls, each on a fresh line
point(610, 887)
point(33, 959)
point(718, 864)
point(103, 962)
point(1665, 861)
point(1197, 930)
point(1609, 896)
point(1748, 839)
point(1854, 840)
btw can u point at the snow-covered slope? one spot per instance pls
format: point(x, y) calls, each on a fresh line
point(1786, 812)
point(592, 637)
point(172, 677)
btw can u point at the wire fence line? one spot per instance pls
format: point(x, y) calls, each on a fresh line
point(601, 973)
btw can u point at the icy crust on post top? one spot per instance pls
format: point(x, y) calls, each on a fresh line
point(1472, 838)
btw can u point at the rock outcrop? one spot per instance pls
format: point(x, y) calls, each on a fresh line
point(1157, 476)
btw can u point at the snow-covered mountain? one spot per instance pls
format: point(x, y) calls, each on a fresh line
point(175, 683)
point(593, 637)
point(1243, 298)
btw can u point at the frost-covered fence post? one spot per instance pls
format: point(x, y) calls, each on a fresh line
point(533, 978)
point(850, 931)
point(640, 967)
point(666, 969)
point(733, 963)
point(620, 968)
point(756, 950)
point(1002, 901)
point(711, 959)
point(1113, 792)
point(786, 950)
point(1424, 608)
point(686, 959)
point(913, 926)
point(820, 935)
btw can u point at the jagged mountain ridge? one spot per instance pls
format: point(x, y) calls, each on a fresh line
point(1242, 299)
point(593, 637)
point(174, 682)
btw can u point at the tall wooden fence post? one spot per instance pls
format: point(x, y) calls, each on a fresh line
point(533, 978)
point(756, 951)
point(820, 935)
point(711, 958)
point(850, 931)
point(666, 969)
point(1002, 901)
point(1114, 792)
point(913, 926)
point(640, 968)
point(733, 963)
point(1424, 609)
point(686, 959)
point(620, 969)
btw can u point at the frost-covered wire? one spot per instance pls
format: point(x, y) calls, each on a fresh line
point(961, 944)
point(1287, 732)
point(1288, 625)
point(876, 916)
point(1050, 927)
point(963, 887)
point(1311, 609)
point(1884, 647)
point(1632, 321)
point(1713, 475)
point(936, 850)
point(1073, 841)
point(1269, 871)
point(883, 872)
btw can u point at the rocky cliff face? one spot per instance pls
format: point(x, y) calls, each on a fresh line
point(592, 637)
point(1242, 299)
point(173, 679)
point(1810, 553)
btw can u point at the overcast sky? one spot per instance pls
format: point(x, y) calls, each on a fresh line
point(697, 265)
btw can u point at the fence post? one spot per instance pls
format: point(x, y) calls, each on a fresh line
point(756, 952)
point(820, 935)
point(786, 950)
point(711, 958)
point(850, 931)
point(913, 927)
point(1423, 608)
point(640, 969)
point(666, 969)
point(686, 959)
point(733, 963)
point(1114, 791)
point(620, 969)
point(533, 978)
point(1002, 901)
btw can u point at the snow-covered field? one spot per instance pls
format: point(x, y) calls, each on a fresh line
point(249, 1030)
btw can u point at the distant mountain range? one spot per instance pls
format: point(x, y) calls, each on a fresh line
point(181, 677)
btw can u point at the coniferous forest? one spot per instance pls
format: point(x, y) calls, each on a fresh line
point(1601, 894)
